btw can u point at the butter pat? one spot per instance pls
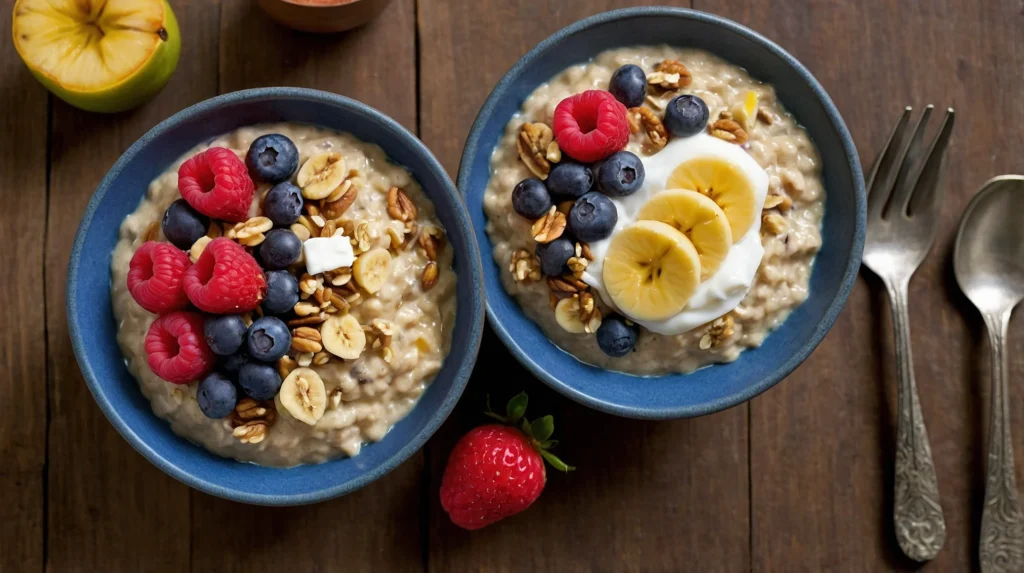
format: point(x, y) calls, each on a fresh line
point(327, 253)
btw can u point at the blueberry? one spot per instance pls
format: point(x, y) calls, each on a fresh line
point(621, 175)
point(269, 339)
point(530, 198)
point(569, 180)
point(272, 158)
point(283, 204)
point(216, 395)
point(615, 337)
point(592, 217)
point(259, 381)
point(280, 248)
point(629, 85)
point(686, 115)
point(233, 363)
point(225, 333)
point(183, 225)
point(282, 292)
point(554, 256)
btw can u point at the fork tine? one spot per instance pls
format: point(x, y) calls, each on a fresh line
point(928, 189)
point(910, 167)
point(879, 181)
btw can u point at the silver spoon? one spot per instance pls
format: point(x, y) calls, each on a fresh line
point(989, 265)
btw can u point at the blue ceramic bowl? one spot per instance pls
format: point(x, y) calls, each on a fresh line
point(721, 386)
point(92, 323)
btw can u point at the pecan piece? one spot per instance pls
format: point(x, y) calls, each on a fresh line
point(430, 275)
point(334, 208)
point(431, 239)
point(400, 206)
point(728, 130)
point(533, 145)
point(549, 227)
point(669, 75)
point(652, 126)
point(525, 266)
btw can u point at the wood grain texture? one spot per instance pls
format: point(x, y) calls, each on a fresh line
point(823, 442)
point(646, 496)
point(109, 508)
point(23, 340)
point(379, 527)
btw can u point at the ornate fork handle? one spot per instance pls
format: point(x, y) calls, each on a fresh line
point(917, 513)
point(1002, 525)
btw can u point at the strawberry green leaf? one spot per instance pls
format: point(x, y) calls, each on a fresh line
point(548, 444)
point(526, 427)
point(542, 428)
point(490, 413)
point(516, 407)
point(555, 462)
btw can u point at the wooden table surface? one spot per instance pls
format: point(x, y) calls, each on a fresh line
point(798, 479)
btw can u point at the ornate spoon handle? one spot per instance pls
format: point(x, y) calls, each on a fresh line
point(917, 512)
point(1002, 526)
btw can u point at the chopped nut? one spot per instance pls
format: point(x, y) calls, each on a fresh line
point(305, 309)
point(585, 251)
point(248, 409)
point(251, 228)
point(793, 182)
point(589, 314)
point(334, 400)
point(308, 320)
point(718, 332)
point(314, 231)
point(554, 153)
point(361, 237)
point(400, 206)
point(300, 231)
point(559, 284)
point(634, 120)
point(340, 277)
point(251, 432)
point(198, 247)
point(304, 359)
point(247, 319)
point(533, 142)
point(302, 345)
point(764, 116)
point(382, 327)
point(549, 227)
point(214, 230)
point(656, 103)
point(774, 223)
point(669, 75)
point(308, 284)
point(311, 209)
point(564, 207)
point(251, 420)
point(577, 265)
point(152, 232)
point(430, 275)
point(387, 354)
point(525, 266)
point(655, 130)
point(321, 358)
point(318, 220)
point(340, 200)
point(307, 333)
point(705, 342)
point(432, 241)
point(329, 228)
point(783, 202)
point(253, 240)
point(728, 130)
point(285, 365)
point(397, 238)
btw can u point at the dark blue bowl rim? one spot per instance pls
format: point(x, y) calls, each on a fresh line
point(856, 248)
point(473, 271)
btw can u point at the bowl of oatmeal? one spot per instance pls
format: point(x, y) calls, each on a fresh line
point(672, 207)
point(275, 295)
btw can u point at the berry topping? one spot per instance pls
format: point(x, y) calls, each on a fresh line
point(280, 248)
point(259, 381)
point(269, 339)
point(615, 337)
point(629, 85)
point(156, 277)
point(621, 175)
point(282, 292)
point(175, 349)
point(183, 225)
point(554, 256)
point(591, 125)
point(569, 181)
point(217, 396)
point(496, 471)
point(530, 198)
point(232, 364)
point(592, 217)
point(224, 334)
point(283, 204)
point(272, 158)
point(216, 183)
point(225, 279)
point(686, 115)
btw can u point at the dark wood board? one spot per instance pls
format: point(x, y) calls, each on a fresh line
point(646, 496)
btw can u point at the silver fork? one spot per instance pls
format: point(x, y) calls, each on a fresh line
point(905, 194)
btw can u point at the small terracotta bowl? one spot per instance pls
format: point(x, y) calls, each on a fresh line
point(323, 16)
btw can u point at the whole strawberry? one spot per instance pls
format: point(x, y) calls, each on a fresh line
point(497, 470)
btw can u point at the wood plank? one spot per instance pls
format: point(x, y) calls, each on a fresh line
point(377, 528)
point(109, 509)
point(647, 496)
point(822, 442)
point(23, 343)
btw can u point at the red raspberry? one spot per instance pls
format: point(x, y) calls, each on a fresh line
point(176, 350)
point(217, 184)
point(497, 471)
point(225, 279)
point(591, 125)
point(156, 277)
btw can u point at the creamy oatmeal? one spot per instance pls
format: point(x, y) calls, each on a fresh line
point(744, 116)
point(406, 324)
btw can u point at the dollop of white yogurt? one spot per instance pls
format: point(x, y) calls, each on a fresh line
point(724, 290)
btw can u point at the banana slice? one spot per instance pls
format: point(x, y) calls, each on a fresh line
point(321, 174)
point(725, 183)
point(343, 336)
point(303, 395)
point(651, 270)
point(372, 269)
point(697, 217)
point(567, 316)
